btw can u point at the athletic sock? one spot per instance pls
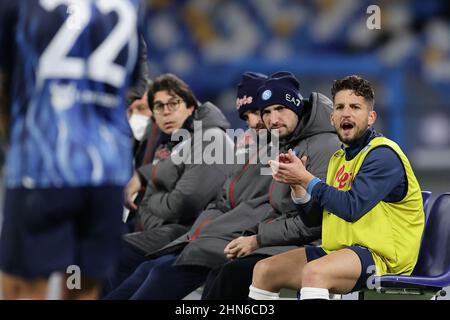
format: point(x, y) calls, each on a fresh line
point(260, 294)
point(309, 293)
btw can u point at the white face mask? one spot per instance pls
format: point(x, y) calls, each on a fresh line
point(138, 124)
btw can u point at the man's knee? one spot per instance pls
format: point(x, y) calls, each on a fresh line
point(160, 272)
point(144, 269)
point(313, 275)
point(263, 270)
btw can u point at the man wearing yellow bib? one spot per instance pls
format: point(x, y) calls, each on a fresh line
point(370, 208)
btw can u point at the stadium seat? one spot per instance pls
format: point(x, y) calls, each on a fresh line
point(432, 272)
point(426, 199)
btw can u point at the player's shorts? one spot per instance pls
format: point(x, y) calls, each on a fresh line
point(367, 263)
point(48, 230)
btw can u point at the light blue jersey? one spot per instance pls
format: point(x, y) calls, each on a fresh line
point(69, 64)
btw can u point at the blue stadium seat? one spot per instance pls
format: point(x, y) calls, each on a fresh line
point(426, 199)
point(432, 271)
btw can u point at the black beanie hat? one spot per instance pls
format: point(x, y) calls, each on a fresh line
point(281, 88)
point(247, 91)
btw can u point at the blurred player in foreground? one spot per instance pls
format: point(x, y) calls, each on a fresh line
point(66, 67)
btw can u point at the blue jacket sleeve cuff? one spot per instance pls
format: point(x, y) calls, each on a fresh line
point(312, 184)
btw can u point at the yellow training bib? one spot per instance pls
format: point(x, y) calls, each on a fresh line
point(392, 231)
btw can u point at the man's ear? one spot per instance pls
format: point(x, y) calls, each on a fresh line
point(332, 118)
point(372, 118)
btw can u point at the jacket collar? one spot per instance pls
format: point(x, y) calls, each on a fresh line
point(352, 150)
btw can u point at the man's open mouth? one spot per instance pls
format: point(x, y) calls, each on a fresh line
point(347, 126)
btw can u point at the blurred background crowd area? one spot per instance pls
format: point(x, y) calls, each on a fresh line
point(209, 43)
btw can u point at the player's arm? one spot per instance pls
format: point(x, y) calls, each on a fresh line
point(140, 77)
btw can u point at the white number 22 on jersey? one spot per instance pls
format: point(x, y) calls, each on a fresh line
point(100, 66)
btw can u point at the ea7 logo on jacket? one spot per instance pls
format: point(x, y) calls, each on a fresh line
point(343, 178)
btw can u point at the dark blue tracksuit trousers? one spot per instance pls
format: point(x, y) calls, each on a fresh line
point(158, 279)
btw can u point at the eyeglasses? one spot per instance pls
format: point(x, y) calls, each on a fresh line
point(158, 107)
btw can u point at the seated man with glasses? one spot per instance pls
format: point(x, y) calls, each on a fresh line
point(175, 192)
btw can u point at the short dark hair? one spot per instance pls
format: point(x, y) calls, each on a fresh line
point(137, 92)
point(360, 86)
point(173, 85)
